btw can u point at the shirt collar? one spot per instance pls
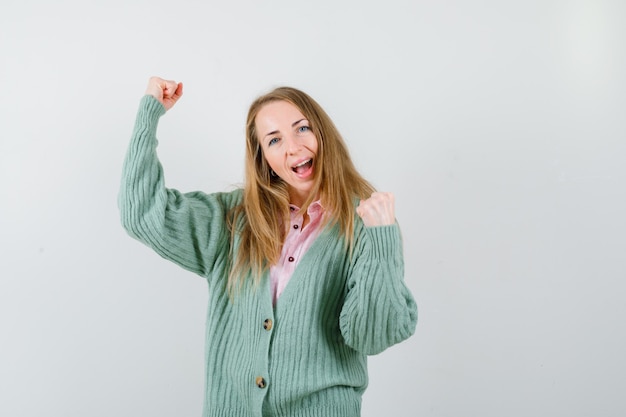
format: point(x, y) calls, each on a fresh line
point(314, 210)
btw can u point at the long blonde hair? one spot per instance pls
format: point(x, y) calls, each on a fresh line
point(258, 222)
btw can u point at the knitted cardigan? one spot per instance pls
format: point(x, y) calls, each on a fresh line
point(305, 356)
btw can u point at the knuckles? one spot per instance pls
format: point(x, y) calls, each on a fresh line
point(380, 198)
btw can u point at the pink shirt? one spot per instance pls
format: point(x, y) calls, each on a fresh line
point(296, 244)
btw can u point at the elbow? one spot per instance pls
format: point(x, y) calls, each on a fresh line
point(130, 219)
point(375, 337)
point(132, 227)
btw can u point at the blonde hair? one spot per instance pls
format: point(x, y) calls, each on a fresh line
point(258, 222)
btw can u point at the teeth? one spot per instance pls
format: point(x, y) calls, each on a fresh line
point(302, 163)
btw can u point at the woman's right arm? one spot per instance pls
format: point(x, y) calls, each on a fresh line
point(188, 229)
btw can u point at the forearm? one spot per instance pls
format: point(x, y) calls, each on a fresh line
point(379, 310)
point(142, 196)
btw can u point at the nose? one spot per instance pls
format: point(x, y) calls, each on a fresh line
point(293, 145)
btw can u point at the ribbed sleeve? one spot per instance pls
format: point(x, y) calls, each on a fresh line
point(188, 229)
point(379, 310)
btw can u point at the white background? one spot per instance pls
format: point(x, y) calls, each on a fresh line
point(499, 126)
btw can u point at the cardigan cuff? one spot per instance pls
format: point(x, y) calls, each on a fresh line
point(386, 241)
point(150, 110)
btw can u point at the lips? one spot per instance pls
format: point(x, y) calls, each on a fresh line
point(303, 166)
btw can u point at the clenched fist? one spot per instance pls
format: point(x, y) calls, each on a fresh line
point(166, 91)
point(378, 210)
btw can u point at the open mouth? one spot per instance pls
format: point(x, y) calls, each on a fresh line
point(303, 166)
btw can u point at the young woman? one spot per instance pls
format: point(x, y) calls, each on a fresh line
point(304, 264)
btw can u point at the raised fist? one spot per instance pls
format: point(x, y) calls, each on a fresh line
point(166, 91)
point(378, 210)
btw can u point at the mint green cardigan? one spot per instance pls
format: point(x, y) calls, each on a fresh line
point(305, 357)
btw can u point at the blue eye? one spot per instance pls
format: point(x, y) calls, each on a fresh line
point(272, 141)
point(303, 129)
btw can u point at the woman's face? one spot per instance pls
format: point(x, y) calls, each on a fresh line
point(289, 146)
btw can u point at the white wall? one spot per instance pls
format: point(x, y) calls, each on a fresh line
point(498, 125)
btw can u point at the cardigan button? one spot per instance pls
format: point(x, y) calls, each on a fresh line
point(267, 324)
point(260, 382)
point(291, 259)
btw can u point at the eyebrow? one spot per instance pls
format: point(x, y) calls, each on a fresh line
point(292, 125)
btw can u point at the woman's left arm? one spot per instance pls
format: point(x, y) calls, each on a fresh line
point(379, 310)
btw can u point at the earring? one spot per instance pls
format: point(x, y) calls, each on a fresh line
point(272, 173)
